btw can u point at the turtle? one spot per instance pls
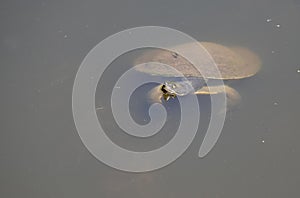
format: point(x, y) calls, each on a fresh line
point(233, 63)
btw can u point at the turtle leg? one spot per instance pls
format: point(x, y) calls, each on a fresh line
point(232, 96)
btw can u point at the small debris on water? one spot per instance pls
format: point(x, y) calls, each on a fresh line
point(263, 141)
point(278, 25)
point(298, 70)
point(275, 103)
point(269, 20)
point(175, 55)
point(65, 36)
point(117, 87)
point(272, 52)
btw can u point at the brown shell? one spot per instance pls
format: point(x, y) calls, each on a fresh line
point(233, 62)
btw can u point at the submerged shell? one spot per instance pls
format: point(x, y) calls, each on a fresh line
point(233, 63)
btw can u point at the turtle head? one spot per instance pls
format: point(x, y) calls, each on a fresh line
point(167, 94)
point(179, 88)
point(172, 89)
point(156, 94)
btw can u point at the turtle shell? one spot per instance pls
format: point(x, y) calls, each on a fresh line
point(232, 62)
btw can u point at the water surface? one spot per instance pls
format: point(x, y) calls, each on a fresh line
point(42, 46)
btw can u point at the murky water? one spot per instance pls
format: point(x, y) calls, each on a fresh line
point(42, 46)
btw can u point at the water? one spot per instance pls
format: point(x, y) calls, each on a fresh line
point(42, 46)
